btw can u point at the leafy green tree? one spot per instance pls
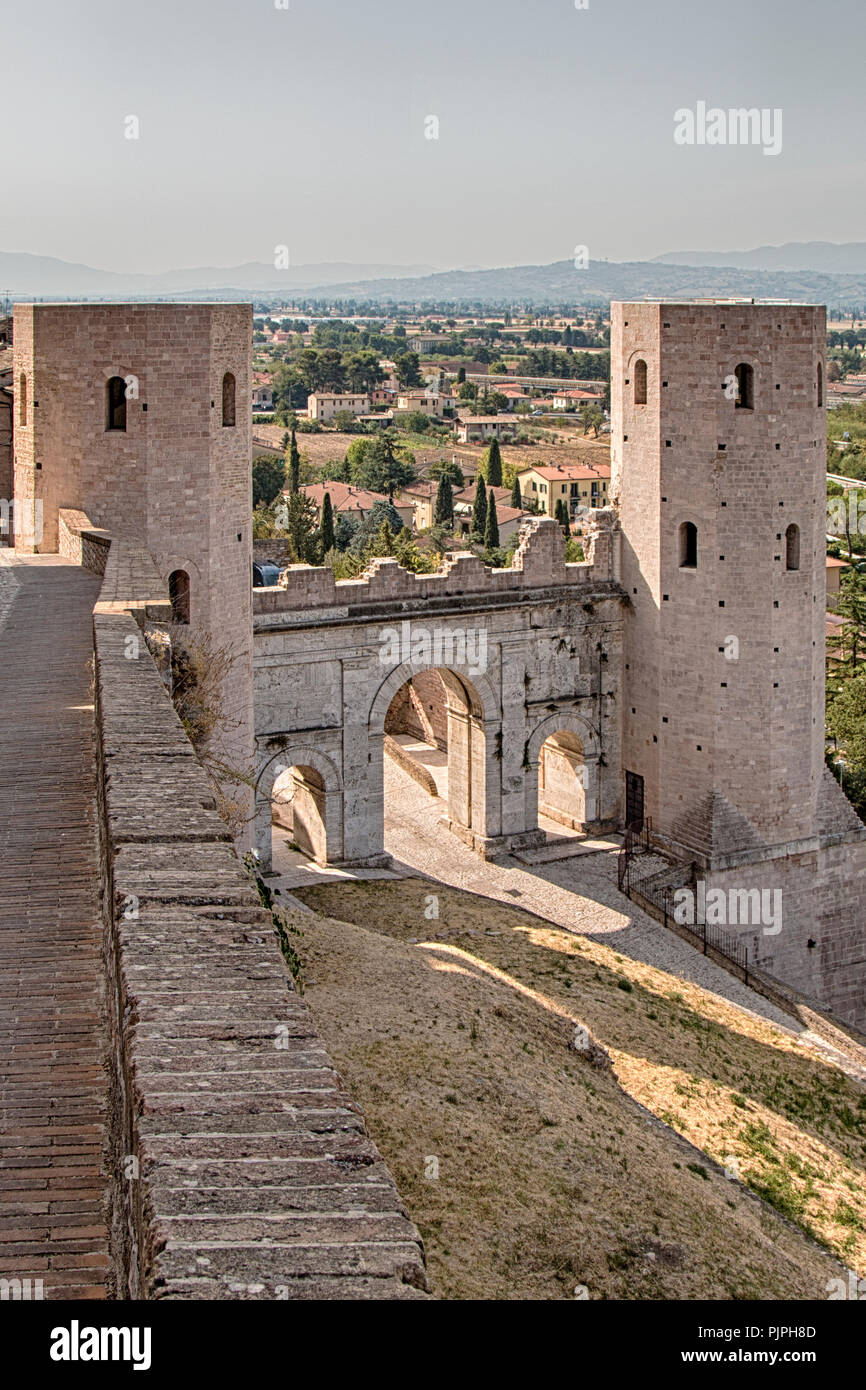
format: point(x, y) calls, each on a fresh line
point(371, 526)
point(294, 464)
point(300, 527)
point(479, 506)
point(407, 368)
point(383, 467)
point(443, 511)
point(269, 476)
point(448, 468)
point(264, 522)
point(491, 528)
point(326, 525)
point(516, 494)
point(560, 513)
point(461, 375)
point(344, 531)
point(852, 608)
point(492, 465)
point(417, 422)
point(382, 543)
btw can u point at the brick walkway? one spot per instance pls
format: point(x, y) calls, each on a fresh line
point(52, 1080)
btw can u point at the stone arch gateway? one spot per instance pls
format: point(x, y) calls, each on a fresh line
point(516, 649)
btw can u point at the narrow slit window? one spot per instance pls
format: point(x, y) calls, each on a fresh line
point(115, 393)
point(792, 547)
point(178, 593)
point(820, 384)
point(640, 382)
point(688, 546)
point(745, 386)
point(22, 399)
point(228, 400)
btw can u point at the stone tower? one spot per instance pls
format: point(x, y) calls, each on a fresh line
point(139, 416)
point(718, 470)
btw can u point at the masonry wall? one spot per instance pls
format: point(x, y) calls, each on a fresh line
point(731, 750)
point(239, 1167)
point(326, 672)
point(724, 662)
point(176, 480)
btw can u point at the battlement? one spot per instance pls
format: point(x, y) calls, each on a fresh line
point(539, 563)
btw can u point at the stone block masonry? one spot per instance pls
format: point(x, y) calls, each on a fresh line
point(238, 1165)
point(166, 465)
point(53, 1216)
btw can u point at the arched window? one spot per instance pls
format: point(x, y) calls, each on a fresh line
point(792, 547)
point(229, 399)
point(820, 384)
point(640, 382)
point(178, 593)
point(745, 386)
point(115, 397)
point(688, 546)
point(22, 399)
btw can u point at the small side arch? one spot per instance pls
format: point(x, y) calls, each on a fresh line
point(327, 794)
point(563, 723)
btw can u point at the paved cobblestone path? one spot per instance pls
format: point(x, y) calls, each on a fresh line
point(52, 1077)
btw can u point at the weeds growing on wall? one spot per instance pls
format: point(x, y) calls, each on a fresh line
point(200, 671)
point(283, 928)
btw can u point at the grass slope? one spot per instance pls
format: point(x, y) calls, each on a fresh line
point(456, 1035)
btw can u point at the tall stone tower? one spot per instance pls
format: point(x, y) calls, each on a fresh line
point(718, 470)
point(139, 416)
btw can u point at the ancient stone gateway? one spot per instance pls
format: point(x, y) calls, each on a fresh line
point(529, 659)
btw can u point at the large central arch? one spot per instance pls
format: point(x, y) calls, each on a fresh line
point(474, 735)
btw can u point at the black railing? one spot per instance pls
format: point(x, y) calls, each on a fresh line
point(659, 888)
point(637, 840)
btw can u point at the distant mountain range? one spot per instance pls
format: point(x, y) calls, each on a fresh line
point(840, 258)
point(601, 281)
point(40, 276)
point(819, 272)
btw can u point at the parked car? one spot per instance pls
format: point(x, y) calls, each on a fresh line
point(265, 574)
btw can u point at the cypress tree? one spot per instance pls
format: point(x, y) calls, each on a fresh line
point(561, 515)
point(326, 524)
point(516, 495)
point(491, 529)
point(443, 511)
point(493, 470)
point(294, 464)
point(479, 507)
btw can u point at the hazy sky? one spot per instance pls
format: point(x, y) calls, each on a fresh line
point(306, 127)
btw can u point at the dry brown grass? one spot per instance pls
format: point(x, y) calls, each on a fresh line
point(460, 1046)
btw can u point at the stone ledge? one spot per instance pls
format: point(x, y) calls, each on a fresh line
point(256, 1175)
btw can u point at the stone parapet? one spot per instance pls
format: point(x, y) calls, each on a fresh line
point(238, 1165)
point(539, 563)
